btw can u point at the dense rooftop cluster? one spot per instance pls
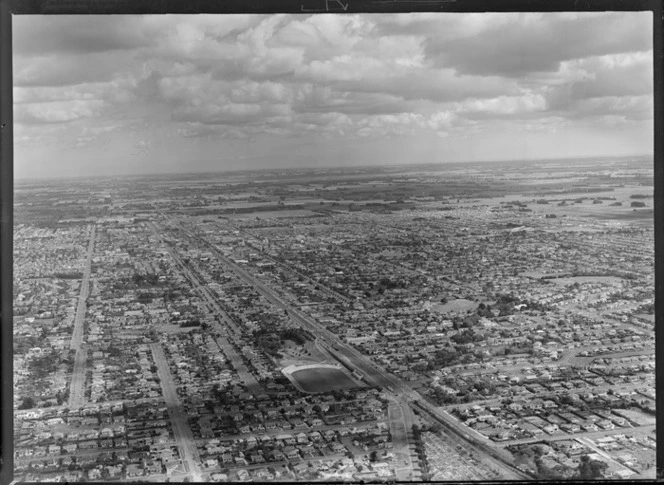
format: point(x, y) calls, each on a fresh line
point(158, 335)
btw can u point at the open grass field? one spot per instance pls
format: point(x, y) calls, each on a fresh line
point(322, 379)
point(460, 305)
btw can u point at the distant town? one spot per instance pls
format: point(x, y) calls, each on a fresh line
point(469, 321)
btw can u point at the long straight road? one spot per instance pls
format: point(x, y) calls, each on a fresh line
point(604, 454)
point(316, 285)
point(181, 430)
point(392, 385)
point(77, 334)
point(245, 376)
point(77, 385)
point(214, 307)
point(399, 429)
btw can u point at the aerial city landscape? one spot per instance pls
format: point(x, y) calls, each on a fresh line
point(457, 322)
point(333, 248)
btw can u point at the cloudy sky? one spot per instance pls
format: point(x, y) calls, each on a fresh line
point(145, 94)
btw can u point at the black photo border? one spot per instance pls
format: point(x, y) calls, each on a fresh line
point(9, 8)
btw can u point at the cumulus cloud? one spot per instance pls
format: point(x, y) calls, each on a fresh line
point(231, 113)
point(503, 106)
point(540, 42)
point(312, 98)
point(612, 75)
point(624, 107)
point(65, 69)
point(67, 34)
point(56, 111)
point(49, 93)
point(432, 85)
point(363, 76)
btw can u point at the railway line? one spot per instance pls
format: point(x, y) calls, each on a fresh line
point(392, 385)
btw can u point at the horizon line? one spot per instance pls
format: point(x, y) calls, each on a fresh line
point(326, 167)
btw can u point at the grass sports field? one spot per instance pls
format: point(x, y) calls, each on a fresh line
point(321, 379)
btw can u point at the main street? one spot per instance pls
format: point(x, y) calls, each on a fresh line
point(313, 284)
point(392, 385)
point(400, 428)
point(77, 334)
point(215, 309)
point(77, 385)
point(181, 430)
point(245, 375)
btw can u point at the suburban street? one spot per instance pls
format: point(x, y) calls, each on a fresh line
point(350, 248)
point(392, 385)
point(181, 429)
point(245, 375)
point(312, 283)
point(644, 430)
point(215, 308)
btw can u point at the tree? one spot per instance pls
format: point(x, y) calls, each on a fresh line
point(114, 351)
point(591, 469)
point(28, 403)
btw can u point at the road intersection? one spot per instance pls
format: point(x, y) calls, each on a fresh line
point(394, 387)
